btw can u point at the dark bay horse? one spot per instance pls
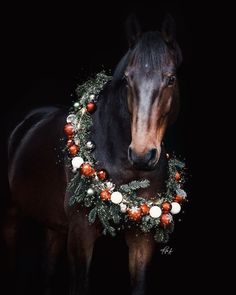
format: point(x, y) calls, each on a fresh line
point(133, 112)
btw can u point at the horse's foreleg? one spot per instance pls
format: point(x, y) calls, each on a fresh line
point(141, 249)
point(80, 249)
point(11, 227)
point(54, 245)
point(11, 234)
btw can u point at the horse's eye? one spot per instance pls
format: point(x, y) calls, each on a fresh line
point(171, 80)
point(125, 80)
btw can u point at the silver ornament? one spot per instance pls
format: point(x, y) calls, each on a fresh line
point(109, 185)
point(76, 163)
point(77, 141)
point(76, 105)
point(92, 96)
point(90, 192)
point(181, 193)
point(123, 207)
point(71, 119)
point(90, 145)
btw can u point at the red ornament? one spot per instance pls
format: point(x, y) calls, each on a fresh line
point(135, 213)
point(73, 149)
point(70, 142)
point(178, 198)
point(87, 170)
point(102, 174)
point(144, 209)
point(69, 129)
point(166, 207)
point(177, 176)
point(166, 219)
point(91, 107)
point(105, 195)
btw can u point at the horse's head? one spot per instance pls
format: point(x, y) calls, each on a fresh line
point(149, 72)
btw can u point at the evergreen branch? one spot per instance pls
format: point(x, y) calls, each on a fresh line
point(135, 185)
point(92, 215)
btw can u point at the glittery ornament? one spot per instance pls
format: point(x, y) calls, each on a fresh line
point(70, 142)
point(87, 170)
point(166, 219)
point(178, 199)
point(134, 213)
point(102, 174)
point(73, 149)
point(145, 209)
point(177, 176)
point(105, 195)
point(166, 206)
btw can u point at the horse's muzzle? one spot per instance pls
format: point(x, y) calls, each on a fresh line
point(147, 161)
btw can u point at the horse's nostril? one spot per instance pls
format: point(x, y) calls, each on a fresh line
point(144, 160)
point(130, 153)
point(152, 154)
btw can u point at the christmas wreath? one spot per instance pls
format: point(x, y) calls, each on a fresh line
point(115, 206)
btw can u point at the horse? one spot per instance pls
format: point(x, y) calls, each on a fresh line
point(133, 112)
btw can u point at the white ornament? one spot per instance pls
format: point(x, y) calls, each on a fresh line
point(76, 163)
point(116, 197)
point(71, 119)
point(90, 192)
point(92, 96)
point(175, 208)
point(76, 141)
point(76, 105)
point(155, 212)
point(123, 207)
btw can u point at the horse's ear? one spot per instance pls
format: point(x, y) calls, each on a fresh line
point(133, 30)
point(168, 29)
point(168, 32)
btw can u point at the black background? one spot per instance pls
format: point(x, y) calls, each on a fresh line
point(48, 50)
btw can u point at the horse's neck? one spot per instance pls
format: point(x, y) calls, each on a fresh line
point(112, 137)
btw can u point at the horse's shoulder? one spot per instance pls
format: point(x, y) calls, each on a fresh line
point(36, 120)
